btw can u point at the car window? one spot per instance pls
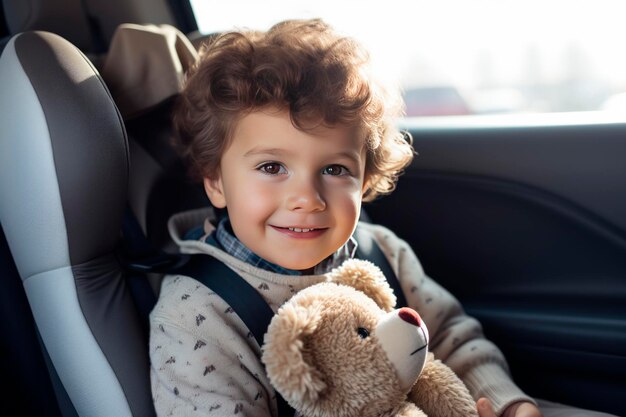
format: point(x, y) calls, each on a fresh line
point(459, 57)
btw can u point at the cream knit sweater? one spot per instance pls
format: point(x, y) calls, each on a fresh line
point(205, 362)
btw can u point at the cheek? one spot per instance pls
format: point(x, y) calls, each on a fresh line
point(250, 199)
point(346, 199)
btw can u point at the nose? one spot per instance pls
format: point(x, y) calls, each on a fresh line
point(305, 195)
point(410, 316)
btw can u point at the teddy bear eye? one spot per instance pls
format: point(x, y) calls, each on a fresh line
point(363, 332)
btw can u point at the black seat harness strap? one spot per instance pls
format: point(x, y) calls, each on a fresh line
point(368, 249)
point(242, 297)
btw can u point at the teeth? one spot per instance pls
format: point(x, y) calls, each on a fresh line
point(298, 230)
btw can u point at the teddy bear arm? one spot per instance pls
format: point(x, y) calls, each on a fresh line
point(441, 393)
point(408, 409)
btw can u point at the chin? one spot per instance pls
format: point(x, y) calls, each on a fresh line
point(298, 266)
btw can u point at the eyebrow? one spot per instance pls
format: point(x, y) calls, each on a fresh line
point(354, 156)
point(266, 151)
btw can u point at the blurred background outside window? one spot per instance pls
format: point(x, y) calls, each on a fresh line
point(467, 57)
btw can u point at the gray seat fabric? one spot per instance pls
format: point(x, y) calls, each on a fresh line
point(63, 185)
point(51, 16)
point(88, 24)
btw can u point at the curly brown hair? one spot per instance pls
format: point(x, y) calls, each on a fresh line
point(303, 66)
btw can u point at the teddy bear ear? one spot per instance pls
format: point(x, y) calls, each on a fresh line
point(282, 353)
point(366, 277)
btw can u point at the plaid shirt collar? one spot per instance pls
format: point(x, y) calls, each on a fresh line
point(224, 238)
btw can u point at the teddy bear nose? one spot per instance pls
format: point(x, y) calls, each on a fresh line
point(410, 316)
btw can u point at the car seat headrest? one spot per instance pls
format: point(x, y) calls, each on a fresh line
point(146, 65)
point(63, 148)
point(64, 17)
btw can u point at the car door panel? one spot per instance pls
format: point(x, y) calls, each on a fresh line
point(524, 220)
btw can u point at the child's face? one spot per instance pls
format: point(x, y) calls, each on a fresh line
point(293, 197)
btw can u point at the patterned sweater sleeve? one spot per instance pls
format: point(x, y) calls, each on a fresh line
point(455, 338)
point(204, 362)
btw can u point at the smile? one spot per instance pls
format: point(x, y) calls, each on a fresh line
point(298, 230)
point(301, 232)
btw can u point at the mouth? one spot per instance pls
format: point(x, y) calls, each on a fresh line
point(425, 345)
point(419, 349)
point(301, 229)
point(305, 231)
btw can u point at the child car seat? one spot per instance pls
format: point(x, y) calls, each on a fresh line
point(63, 186)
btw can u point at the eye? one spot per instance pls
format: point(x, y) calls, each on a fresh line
point(335, 170)
point(363, 332)
point(272, 168)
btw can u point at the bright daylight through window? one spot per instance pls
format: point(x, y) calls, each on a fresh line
point(457, 57)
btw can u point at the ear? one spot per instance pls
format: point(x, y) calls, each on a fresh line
point(366, 185)
point(283, 349)
point(215, 191)
point(366, 277)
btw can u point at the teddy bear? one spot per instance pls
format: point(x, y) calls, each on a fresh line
point(340, 349)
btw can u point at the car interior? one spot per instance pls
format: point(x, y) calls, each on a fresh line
point(521, 217)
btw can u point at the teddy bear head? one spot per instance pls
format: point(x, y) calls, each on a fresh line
point(339, 348)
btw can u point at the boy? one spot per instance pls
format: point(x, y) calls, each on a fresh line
point(290, 134)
